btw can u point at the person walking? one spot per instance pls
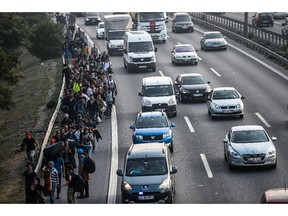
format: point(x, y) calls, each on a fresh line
point(28, 179)
point(60, 167)
point(86, 176)
point(54, 180)
point(31, 144)
point(109, 102)
point(70, 191)
point(40, 190)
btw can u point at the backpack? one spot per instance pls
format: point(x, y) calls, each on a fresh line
point(77, 182)
point(89, 165)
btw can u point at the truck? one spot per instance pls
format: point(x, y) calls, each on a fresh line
point(152, 22)
point(284, 29)
point(115, 28)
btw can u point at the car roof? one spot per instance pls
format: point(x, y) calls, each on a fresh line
point(157, 80)
point(151, 114)
point(181, 13)
point(246, 127)
point(277, 195)
point(190, 75)
point(147, 150)
point(223, 88)
point(212, 32)
point(179, 45)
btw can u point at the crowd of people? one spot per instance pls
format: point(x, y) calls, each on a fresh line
point(90, 92)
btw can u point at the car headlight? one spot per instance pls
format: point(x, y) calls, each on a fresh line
point(147, 102)
point(112, 45)
point(165, 185)
point(238, 106)
point(171, 101)
point(215, 106)
point(271, 152)
point(139, 136)
point(87, 19)
point(131, 59)
point(233, 153)
point(167, 135)
point(126, 186)
point(184, 91)
point(152, 58)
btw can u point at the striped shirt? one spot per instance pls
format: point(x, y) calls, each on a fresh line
point(54, 175)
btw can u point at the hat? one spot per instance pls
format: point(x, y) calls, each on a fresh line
point(66, 115)
point(28, 134)
point(80, 151)
point(53, 140)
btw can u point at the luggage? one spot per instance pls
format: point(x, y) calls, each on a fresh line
point(77, 182)
point(53, 151)
point(89, 165)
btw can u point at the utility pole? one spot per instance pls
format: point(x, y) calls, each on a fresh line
point(246, 24)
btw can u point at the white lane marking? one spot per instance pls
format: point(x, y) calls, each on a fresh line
point(263, 120)
point(189, 124)
point(160, 72)
point(199, 58)
point(206, 165)
point(260, 62)
point(214, 71)
point(114, 159)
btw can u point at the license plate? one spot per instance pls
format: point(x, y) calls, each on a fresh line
point(146, 197)
point(254, 159)
point(228, 111)
point(197, 95)
point(143, 66)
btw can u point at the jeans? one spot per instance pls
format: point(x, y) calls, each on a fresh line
point(31, 155)
point(52, 195)
point(109, 108)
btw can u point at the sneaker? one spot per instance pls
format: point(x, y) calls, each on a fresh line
point(80, 197)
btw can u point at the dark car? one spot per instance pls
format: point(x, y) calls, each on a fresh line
point(260, 19)
point(148, 174)
point(182, 22)
point(191, 86)
point(279, 15)
point(92, 18)
point(79, 14)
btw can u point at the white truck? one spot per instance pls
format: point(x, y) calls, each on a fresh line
point(115, 28)
point(152, 22)
point(284, 29)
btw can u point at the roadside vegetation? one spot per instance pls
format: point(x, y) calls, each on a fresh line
point(30, 78)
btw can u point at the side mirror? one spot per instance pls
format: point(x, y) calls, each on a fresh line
point(208, 82)
point(155, 49)
point(140, 94)
point(225, 140)
point(132, 127)
point(172, 125)
point(174, 170)
point(274, 138)
point(119, 172)
point(283, 24)
point(242, 97)
point(125, 51)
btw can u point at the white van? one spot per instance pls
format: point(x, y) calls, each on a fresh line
point(158, 94)
point(139, 51)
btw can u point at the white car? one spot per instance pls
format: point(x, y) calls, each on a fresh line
point(225, 101)
point(184, 54)
point(100, 30)
point(213, 40)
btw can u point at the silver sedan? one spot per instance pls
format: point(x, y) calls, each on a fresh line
point(100, 30)
point(225, 101)
point(213, 40)
point(249, 145)
point(184, 54)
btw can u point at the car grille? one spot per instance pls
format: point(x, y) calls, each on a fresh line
point(228, 107)
point(246, 157)
point(146, 193)
point(197, 91)
point(141, 59)
point(157, 137)
point(160, 105)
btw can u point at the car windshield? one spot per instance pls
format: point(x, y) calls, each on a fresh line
point(158, 91)
point(182, 18)
point(116, 35)
point(91, 14)
point(225, 94)
point(146, 167)
point(193, 80)
point(152, 122)
point(213, 35)
point(101, 25)
point(145, 46)
point(184, 49)
point(249, 136)
point(146, 17)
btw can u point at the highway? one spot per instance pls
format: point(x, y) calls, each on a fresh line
point(203, 176)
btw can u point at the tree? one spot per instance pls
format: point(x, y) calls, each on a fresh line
point(13, 30)
point(46, 39)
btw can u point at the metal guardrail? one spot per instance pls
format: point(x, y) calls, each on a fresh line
point(233, 33)
point(235, 25)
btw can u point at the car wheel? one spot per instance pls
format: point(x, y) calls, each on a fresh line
point(196, 63)
point(213, 117)
point(125, 66)
point(209, 113)
point(181, 98)
point(230, 167)
point(241, 116)
point(274, 166)
point(171, 147)
point(175, 114)
point(225, 157)
point(163, 41)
